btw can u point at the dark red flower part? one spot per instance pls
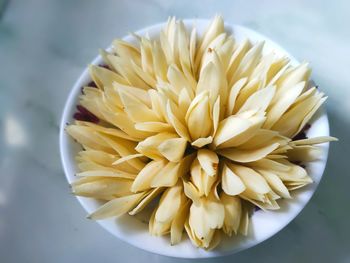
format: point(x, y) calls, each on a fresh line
point(104, 66)
point(84, 114)
point(302, 134)
point(92, 84)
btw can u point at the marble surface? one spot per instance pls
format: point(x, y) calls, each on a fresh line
point(44, 46)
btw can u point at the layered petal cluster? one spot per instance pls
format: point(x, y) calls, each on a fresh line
point(198, 129)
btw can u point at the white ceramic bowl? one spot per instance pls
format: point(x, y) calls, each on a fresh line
point(262, 224)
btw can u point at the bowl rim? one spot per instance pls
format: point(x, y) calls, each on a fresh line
point(68, 162)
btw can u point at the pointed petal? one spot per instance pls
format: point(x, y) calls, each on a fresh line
point(146, 175)
point(173, 149)
point(245, 156)
point(116, 207)
point(231, 183)
point(208, 160)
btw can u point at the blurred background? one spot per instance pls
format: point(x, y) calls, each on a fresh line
point(45, 45)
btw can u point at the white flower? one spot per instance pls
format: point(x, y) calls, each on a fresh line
point(205, 123)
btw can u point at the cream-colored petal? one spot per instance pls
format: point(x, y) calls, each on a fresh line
point(184, 101)
point(177, 225)
point(159, 61)
point(275, 183)
point(197, 177)
point(126, 158)
point(251, 179)
point(123, 122)
point(104, 77)
point(116, 207)
point(92, 166)
point(260, 100)
point(208, 160)
point(215, 28)
point(269, 165)
point(149, 147)
point(236, 58)
point(168, 176)
point(310, 115)
point(292, 77)
point(260, 138)
point(180, 128)
point(124, 148)
point(216, 115)
point(173, 149)
point(127, 50)
point(236, 130)
point(104, 188)
point(244, 222)
point(194, 239)
point(178, 81)
point(191, 192)
point(98, 157)
point(136, 110)
point(110, 131)
point(154, 127)
point(146, 55)
point(233, 94)
point(157, 228)
point(215, 241)
point(248, 90)
point(210, 80)
point(245, 156)
point(106, 173)
point(124, 68)
point(157, 105)
point(198, 120)
point(152, 194)
point(145, 76)
point(200, 142)
point(293, 120)
point(206, 216)
point(146, 175)
point(315, 140)
point(305, 153)
point(169, 204)
point(282, 104)
point(87, 137)
point(248, 63)
point(230, 182)
point(229, 128)
point(233, 210)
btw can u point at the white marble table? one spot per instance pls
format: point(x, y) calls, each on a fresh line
point(45, 44)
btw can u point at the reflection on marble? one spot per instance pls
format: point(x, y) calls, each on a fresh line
point(45, 44)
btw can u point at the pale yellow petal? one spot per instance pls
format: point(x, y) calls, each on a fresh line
point(200, 142)
point(245, 156)
point(231, 183)
point(116, 207)
point(167, 176)
point(173, 149)
point(275, 183)
point(251, 179)
point(178, 224)
point(169, 204)
point(146, 175)
point(150, 146)
point(152, 194)
point(208, 160)
point(233, 210)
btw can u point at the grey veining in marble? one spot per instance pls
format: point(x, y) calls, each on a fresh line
point(44, 46)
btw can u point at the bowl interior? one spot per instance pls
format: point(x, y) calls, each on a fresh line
point(262, 224)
